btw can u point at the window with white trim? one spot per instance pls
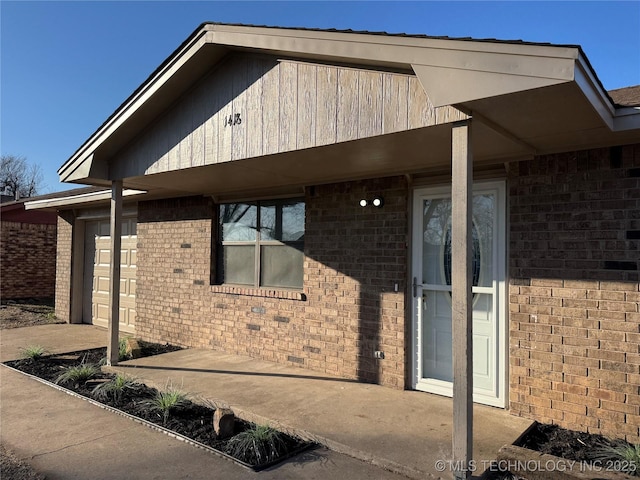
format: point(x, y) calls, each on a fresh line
point(261, 244)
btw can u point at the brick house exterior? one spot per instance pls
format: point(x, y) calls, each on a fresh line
point(564, 345)
point(27, 253)
point(574, 322)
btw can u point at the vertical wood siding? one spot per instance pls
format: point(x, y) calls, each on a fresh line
point(277, 106)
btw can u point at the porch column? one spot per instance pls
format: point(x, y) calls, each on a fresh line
point(114, 272)
point(461, 298)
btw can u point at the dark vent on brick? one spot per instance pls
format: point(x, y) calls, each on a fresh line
point(634, 172)
point(613, 265)
point(220, 305)
point(178, 270)
point(293, 359)
point(175, 310)
point(633, 234)
point(198, 282)
point(281, 319)
point(252, 326)
point(185, 245)
point(307, 348)
point(258, 310)
point(616, 157)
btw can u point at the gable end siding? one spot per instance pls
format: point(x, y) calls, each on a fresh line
point(252, 106)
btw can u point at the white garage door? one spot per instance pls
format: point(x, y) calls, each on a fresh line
point(96, 274)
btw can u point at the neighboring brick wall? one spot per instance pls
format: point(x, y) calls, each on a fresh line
point(574, 290)
point(28, 258)
point(354, 256)
point(63, 266)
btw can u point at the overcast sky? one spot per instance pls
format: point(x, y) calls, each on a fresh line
point(66, 66)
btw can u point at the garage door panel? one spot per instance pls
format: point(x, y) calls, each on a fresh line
point(104, 257)
point(103, 285)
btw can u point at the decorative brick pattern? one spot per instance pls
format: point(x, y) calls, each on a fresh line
point(63, 266)
point(348, 308)
point(574, 291)
point(28, 258)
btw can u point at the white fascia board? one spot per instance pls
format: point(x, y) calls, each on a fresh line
point(500, 57)
point(596, 95)
point(72, 200)
point(626, 118)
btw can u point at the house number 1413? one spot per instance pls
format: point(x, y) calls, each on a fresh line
point(232, 120)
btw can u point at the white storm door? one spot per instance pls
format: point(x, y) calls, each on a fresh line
point(432, 329)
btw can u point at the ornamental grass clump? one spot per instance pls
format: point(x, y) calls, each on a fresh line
point(622, 457)
point(258, 445)
point(33, 352)
point(122, 349)
point(164, 401)
point(78, 374)
point(114, 389)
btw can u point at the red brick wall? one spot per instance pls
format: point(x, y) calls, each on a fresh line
point(28, 258)
point(63, 266)
point(348, 307)
point(574, 291)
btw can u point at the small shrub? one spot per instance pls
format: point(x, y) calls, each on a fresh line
point(114, 389)
point(258, 445)
point(78, 374)
point(33, 352)
point(51, 316)
point(167, 400)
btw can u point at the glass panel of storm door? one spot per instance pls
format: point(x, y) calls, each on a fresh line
point(436, 331)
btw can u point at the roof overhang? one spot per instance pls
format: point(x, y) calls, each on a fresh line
point(77, 200)
point(542, 97)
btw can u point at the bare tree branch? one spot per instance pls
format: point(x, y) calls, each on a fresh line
point(19, 177)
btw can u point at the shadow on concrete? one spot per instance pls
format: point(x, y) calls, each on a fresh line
point(235, 372)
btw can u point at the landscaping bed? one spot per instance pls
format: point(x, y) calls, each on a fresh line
point(546, 452)
point(254, 446)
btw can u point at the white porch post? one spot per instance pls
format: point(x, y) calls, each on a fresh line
point(114, 272)
point(461, 298)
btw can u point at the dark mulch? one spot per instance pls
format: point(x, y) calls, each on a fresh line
point(569, 444)
point(192, 420)
point(587, 448)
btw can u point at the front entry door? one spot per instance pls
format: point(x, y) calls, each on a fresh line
point(432, 337)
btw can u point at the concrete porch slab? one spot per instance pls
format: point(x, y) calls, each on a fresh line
point(404, 431)
point(56, 338)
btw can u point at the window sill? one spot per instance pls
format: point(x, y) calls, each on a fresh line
point(259, 292)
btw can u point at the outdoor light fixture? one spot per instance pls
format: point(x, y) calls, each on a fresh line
point(376, 202)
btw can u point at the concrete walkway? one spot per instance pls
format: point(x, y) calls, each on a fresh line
point(402, 431)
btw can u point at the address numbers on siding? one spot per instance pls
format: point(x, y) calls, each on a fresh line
point(231, 120)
